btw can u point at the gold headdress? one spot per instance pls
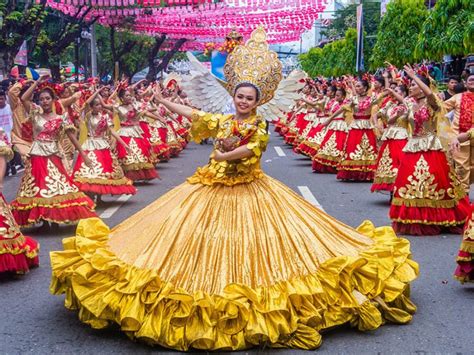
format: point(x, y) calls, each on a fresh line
point(254, 63)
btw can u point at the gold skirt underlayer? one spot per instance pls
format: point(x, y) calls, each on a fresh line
point(228, 268)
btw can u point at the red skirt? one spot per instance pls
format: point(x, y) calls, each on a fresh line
point(427, 195)
point(47, 192)
point(388, 161)
point(172, 140)
point(360, 156)
point(330, 152)
point(465, 259)
point(105, 178)
point(160, 149)
point(138, 164)
point(17, 252)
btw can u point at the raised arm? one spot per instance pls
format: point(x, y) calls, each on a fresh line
point(173, 107)
point(27, 96)
point(430, 97)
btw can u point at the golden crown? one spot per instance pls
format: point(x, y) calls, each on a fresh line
point(254, 63)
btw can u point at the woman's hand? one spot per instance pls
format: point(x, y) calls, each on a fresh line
point(454, 145)
point(409, 70)
point(218, 156)
point(128, 149)
point(87, 161)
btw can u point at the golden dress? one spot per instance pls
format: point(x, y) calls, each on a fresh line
point(232, 259)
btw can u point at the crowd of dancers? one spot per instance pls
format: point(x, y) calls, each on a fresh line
point(394, 130)
point(79, 142)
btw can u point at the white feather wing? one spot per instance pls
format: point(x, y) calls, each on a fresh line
point(285, 96)
point(204, 90)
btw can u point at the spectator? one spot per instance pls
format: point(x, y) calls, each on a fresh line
point(6, 122)
point(451, 89)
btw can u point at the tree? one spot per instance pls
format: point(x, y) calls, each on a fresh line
point(398, 33)
point(57, 36)
point(20, 21)
point(334, 59)
point(448, 29)
point(345, 19)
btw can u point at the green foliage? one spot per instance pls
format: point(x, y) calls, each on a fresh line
point(449, 29)
point(334, 59)
point(398, 32)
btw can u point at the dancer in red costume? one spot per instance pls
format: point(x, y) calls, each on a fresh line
point(360, 152)
point(394, 139)
point(47, 192)
point(314, 136)
point(465, 258)
point(106, 176)
point(427, 195)
point(137, 161)
point(331, 150)
point(17, 252)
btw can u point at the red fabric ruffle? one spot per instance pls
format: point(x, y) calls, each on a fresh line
point(107, 189)
point(22, 257)
point(355, 175)
point(323, 168)
point(143, 174)
point(68, 211)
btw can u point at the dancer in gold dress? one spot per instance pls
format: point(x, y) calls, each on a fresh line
point(233, 258)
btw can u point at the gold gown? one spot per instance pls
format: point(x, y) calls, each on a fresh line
point(232, 259)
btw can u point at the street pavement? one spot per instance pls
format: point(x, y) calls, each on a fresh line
point(33, 321)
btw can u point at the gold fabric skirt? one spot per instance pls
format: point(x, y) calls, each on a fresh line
point(231, 267)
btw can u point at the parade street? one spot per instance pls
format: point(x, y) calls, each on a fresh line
point(33, 321)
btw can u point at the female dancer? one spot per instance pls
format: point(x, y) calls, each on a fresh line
point(47, 192)
point(316, 131)
point(360, 152)
point(232, 258)
point(331, 150)
point(105, 177)
point(136, 160)
point(17, 252)
point(427, 196)
point(465, 259)
point(394, 139)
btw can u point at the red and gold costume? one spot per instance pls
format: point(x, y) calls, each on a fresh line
point(393, 140)
point(465, 259)
point(331, 150)
point(137, 164)
point(463, 106)
point(232, 258)
point(17, 252)
point(315, 132)
point(106, 177)
point(22, 131)
point(360, 152)
point(427, 195)
point(47, 192)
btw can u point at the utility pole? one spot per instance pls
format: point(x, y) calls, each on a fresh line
point(76, 64)
point(93, 52)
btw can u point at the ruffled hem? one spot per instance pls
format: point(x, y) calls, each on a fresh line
point(465, 260)
point(327, 168)
point(428, 221)
point(20, 258)
point(364, 291)
point(104, 189)
point(381, 187)
point(420, 229)
point(355, 175)
point(70, 213)
point(308, 149)
point(142, 174)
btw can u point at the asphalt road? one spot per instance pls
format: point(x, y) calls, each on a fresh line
point(33, 321)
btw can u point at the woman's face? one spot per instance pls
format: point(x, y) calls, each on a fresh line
point(127, 98)
point(360, 88)
point(245, 100)
point(399, 91)
point(415, 90)
point(339, 96)
point(331, 94)
point(105, 92)
point(46, 101)
point(96, 106)
point(377, 85)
